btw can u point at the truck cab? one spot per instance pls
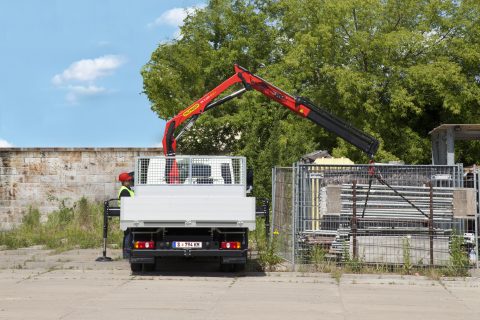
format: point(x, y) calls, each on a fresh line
point(203, 212)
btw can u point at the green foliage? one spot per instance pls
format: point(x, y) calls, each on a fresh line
point(350, 264)
point(395, 69)
point(32, 219)
point(266, 248)
point(317, 254)
point(459, 263)
point(407, 261)
point(79, 226)
point(320, 261)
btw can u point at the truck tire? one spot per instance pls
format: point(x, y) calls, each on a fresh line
point(239, 267)
point(149, 267)
point(127, 244)
point(226, 267)
point(136, 267)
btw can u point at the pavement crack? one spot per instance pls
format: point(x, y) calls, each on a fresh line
point(442, 284)
point(233, 282)
point(36, 275)
point(342, 304)
point(217, 300)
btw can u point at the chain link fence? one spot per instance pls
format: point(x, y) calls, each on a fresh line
point(394, 216)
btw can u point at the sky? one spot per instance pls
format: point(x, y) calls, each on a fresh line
point(70, 70)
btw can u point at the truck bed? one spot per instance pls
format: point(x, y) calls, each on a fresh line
point(211, 194)
point(188, 211)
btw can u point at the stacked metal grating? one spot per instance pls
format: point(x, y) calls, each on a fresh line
point(390, 230)
point(393, 227)
point(384, 203)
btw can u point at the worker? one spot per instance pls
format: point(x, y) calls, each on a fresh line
point(126, 191)
point(126, 188)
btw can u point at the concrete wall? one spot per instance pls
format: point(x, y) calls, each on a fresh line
point(42, 177)
point(464, 204)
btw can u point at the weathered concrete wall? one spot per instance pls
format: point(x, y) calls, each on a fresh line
point(42, 177)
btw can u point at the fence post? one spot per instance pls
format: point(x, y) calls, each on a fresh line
point(477, 208)
point(274, 192)
point(430, 223)
point(294, 205)
point(354, 218)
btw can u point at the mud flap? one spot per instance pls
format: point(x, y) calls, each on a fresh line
point(149, 260)
point(236, 260)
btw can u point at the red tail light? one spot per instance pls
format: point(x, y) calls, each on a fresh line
point(144, 245)
point(230, 245)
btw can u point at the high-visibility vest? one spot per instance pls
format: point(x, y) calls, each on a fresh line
point(130, 191)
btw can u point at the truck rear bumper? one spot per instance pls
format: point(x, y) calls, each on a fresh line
point(188, 253)
point(148, 256)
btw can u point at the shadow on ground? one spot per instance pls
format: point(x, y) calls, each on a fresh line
point(198, 267)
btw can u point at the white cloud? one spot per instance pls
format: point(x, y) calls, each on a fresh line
point(76, 92)
point(5, 144)
point(79, 78)
point(88, 69)
point(174, 17)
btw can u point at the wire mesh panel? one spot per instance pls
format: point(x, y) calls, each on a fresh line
point(282, 212)
point(320, 186)
point(390, 215)
point(192, 170)
point(476, 186)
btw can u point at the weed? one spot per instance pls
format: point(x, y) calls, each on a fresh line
point(317, 254)
point(32, 219)
point(266, 248)
point(407, 263)
point(353, 265)
point(337, 275)
point(67, 228)
point(458, 264)
point(433, 274)
point(318, 257)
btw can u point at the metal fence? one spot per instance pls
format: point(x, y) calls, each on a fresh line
point(196, 170)
point(389, 215)
point(282, 225)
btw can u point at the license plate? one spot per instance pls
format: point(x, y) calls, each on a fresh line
point(187, 244)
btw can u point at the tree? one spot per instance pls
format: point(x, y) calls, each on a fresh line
point(395, 69)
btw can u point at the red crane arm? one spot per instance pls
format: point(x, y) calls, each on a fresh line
point(299, 105)
point(198, 107)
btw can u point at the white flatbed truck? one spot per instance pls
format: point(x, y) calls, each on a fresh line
point(205, 214)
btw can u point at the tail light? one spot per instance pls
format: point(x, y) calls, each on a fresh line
point(230, 245)
point(144, 245)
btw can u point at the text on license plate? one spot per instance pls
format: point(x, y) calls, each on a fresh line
point(186, 244)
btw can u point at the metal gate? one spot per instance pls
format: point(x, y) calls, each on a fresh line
point(409, 217)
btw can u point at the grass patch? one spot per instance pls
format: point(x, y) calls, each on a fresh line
point(266, 248)
point(318, 259)
point(79, 226)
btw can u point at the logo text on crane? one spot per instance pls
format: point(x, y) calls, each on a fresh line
point(191, 109)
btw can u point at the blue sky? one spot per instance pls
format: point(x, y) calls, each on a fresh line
point(70, 71)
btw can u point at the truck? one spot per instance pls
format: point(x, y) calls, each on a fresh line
point(197, 206)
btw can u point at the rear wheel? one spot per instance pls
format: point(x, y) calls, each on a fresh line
point(136, 267)
point(239, 267)
point(232, 267)
point(226, 267)
point(149, 267)
point(127, 244)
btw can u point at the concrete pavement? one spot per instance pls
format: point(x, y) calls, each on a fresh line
point(39, 284)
